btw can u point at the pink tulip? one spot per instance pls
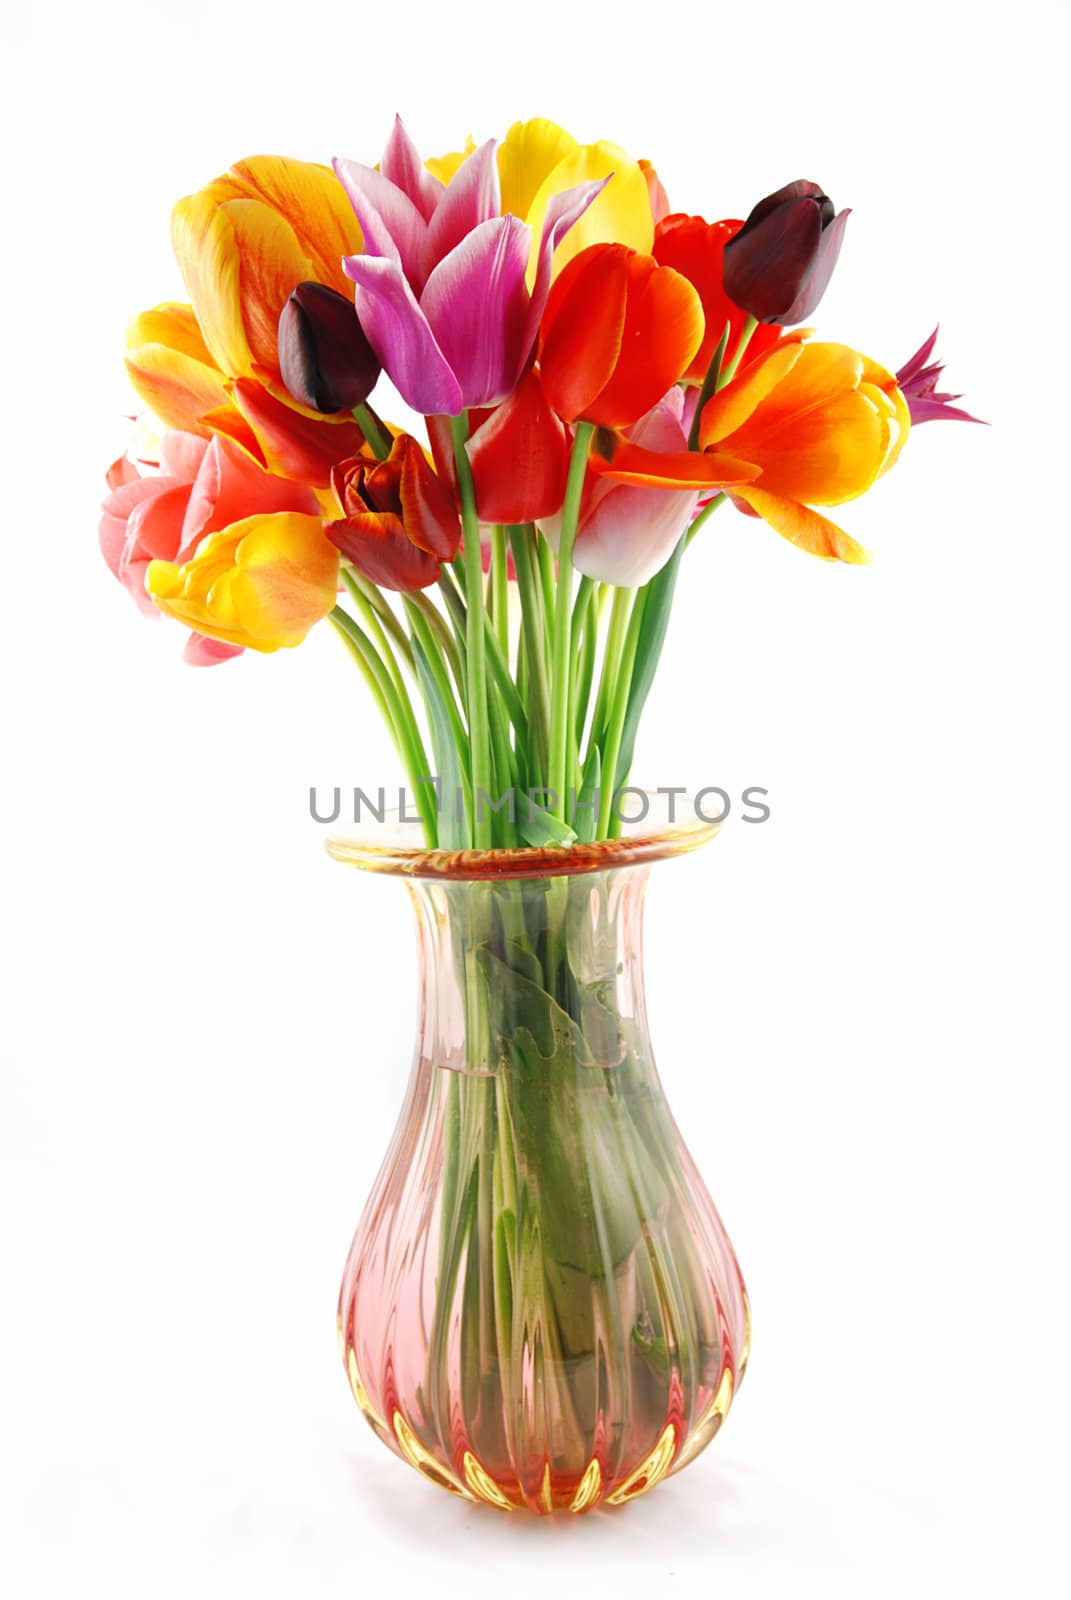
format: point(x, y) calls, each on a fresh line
point(441, 287)
point(201, 487)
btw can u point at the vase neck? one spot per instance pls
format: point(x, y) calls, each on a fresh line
point(558, 953)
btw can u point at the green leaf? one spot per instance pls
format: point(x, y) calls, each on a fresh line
point(453, 828)
point(657, 600)
point(587, 809)
point(538, 827)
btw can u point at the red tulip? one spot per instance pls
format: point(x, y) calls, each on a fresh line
point(399, 519)
point(619, 330)
point(694, 248)
point(519, 454)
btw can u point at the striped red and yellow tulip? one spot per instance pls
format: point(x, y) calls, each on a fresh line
point(597, 374)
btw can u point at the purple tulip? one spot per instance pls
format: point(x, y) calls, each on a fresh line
point(918, 383)
point(779, 265)
point(441, 287)
point(325, 359)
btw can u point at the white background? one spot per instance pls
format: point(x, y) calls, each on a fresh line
point(860, 1008)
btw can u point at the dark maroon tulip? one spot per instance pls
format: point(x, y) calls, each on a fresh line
point(324, 358)
point(779, 265)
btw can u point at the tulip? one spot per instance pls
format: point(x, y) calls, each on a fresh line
point(519, 454)
point(243, 242)
point(262, 582)
point(805, 425)
point(201, 488)
point(441, 288)
point(778, 266)
point(618, 331)
point(538, 161)
point(695, 249)
point(399, 522)
point(625, 534)
point(325, 360)
point(918, 383)
point(656, 193)
point(171, 368)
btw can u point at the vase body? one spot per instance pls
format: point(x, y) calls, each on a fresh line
point(541, 1307)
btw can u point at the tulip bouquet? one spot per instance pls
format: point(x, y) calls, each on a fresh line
point(598, 376)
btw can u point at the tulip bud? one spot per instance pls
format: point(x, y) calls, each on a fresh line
point(325, 359)
point(779, 265)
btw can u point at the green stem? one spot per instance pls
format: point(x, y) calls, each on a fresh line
point(399, 717)
point(728, 372)
point(368, 611)
point(561, 678)
point(479, 728)
point(376, 435)
point(499, 582)
point(707, 511)
point(618, 709)
point(611, 663)
point(530, 589)
point(710, 386)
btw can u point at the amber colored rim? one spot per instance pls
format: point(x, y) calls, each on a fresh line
point(640, 844)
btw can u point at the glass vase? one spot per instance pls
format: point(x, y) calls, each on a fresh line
point(541, 1308)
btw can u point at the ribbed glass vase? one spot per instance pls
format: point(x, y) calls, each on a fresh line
point(541, 1307)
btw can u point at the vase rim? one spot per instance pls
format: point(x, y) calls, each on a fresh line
point(386, 848)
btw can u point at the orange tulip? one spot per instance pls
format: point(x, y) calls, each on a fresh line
point(617, 332)
point(804, 425)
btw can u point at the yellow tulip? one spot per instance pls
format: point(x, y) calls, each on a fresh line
point(538, 160)
point(245, 241)
point(262, 582)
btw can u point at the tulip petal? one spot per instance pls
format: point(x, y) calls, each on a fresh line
point(622, 212)
point(401, 163)
point(202, 236)
point(392, 226)
point(562, 213)
point(527, 156)
point(579, 350)
point(619, 459)
point(375, 543)
point(263, 582)
point(662, 332)
point(628, 534)
point(307, 194)
point(477, 306)
point(472, 197)
point(170, 368)
point(520, 458)
point(695, 249)
point(401, 337)
point(820, 439)
point(816, 282)
point(281, 440)
point(201, 651)
point(730, 408)
point(271, 263)
point(803, 527)
point(227, 483)
point(631, 534)
point(429, 514)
